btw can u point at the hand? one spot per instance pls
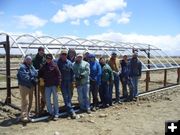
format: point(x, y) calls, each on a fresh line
point(82, 76)
point(34, 81)
point(73, 85)
point(77, 78)
point(60, 82)
point(41, 82)
point(111, 82)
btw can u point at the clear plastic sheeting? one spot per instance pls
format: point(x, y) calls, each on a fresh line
point(152, 58)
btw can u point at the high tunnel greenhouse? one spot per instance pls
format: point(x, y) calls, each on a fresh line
point(13, 48)
point(150, 56)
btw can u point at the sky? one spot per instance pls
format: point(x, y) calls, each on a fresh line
point(155, 22)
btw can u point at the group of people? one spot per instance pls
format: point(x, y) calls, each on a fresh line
point(85, 72)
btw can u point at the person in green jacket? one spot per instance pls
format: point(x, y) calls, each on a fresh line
point(107, 78)
point(81, 71)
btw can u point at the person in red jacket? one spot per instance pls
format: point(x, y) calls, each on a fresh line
point(52, 78)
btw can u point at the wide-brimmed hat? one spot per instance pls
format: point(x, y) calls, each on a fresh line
point(79, 55)
point(64, 51)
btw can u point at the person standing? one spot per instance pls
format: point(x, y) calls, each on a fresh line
point(52, 78)
point(71, 56)
point(114, 63)
point(135, 73)
point(26, 80)
point(107, 78)
point(82, 71)
point(66, 69)
point(38, 61)
point(95, 80)
point(125, 80)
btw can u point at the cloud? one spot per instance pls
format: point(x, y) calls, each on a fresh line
point(106, 20)
point(86, 22)
point(75, 22)
point(30, 20)
point(87, 9)
point(168, 43)
point(124, 17)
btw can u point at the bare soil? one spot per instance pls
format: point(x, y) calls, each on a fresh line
point(147, 116)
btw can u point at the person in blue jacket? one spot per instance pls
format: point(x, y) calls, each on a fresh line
point(66, 69)
point(135, 73)
point(27, 79)
point(95, 79)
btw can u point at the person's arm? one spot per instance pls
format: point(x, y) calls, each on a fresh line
point(71, 72)
point(35, 73)
point(41, 72)
point(74, 70)
point(86, 71)
point(111, 74)
point(58, 73)
point(109, 63)
point(140, 69)
point(23, 75)
point(99, 73)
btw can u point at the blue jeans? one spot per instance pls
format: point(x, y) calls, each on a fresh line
point(66, 93)
point(127, 82)
point(134, 80)
point(48, 91)
point(117, 87)
point(83, 96)
point(104, 93)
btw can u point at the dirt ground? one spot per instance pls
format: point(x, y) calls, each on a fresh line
point(144, 117)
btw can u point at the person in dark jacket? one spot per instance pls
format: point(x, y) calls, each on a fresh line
point(135, 73)
point(72, 56)
point(52, 78)
point(107, 78)
point(38, 61)
point(125, 80)
point(86, 56)
point(95, 79)
point(26, 80)
point(66, 69)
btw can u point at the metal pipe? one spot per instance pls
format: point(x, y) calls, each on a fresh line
point(165, 77)
point(178, 74)
point(8, 72)
point(158, 90)
point(147, 80)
